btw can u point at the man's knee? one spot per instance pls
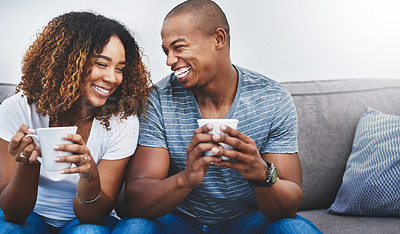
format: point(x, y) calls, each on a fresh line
point(136, 225)
point(293, 225)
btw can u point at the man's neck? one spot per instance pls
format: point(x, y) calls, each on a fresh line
point(215, 99)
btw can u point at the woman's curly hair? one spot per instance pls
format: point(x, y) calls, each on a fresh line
point(56, 65)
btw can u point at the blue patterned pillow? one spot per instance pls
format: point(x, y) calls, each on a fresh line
point(371, 182)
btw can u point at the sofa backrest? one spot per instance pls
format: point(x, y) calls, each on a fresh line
point(6, 90)
point(328, 112)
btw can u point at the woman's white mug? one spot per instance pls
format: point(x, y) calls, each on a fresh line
point(217, 123)
point(47, 138)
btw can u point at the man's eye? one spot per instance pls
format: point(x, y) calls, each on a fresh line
point(179, 47)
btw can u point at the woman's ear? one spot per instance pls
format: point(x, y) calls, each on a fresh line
point(220, 38)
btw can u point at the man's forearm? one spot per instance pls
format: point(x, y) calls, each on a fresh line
point(152, 198)
point(279, 201)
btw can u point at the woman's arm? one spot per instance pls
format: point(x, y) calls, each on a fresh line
point(19, 177)
point(99, 183)
point(109, 182)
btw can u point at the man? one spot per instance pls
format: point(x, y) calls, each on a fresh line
point(170, 183)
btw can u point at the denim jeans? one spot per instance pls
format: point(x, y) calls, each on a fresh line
point(252, 223)
point(35, 224)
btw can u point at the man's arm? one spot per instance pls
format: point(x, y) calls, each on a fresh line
point(149, 192)
point(282, 199)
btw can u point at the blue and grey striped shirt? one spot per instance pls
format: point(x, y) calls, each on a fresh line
point(266, 113)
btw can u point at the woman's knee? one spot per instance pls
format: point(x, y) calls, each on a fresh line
point(34, 224)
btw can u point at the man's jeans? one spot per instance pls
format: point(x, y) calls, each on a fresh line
point(249, 223)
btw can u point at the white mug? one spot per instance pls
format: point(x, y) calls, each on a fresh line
point(217, 123)
point(47, 138)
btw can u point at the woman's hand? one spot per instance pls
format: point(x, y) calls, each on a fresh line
point(24, 148)
point(85, 165)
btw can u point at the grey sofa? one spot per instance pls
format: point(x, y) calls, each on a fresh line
point(328, 112)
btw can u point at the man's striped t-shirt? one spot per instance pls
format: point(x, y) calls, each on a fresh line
point(266, 113)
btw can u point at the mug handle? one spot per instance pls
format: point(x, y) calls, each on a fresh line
point(36, 139)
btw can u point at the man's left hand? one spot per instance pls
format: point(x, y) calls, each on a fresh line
point(245, 155)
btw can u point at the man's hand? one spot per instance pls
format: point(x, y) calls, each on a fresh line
point(245, 155)
point(196, 164)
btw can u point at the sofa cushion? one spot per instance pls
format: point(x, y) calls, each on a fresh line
point(371, 182)
point(336, 224)
point(328, 112)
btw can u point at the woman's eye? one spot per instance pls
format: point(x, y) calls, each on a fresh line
point(121, 69)
point(101, 64)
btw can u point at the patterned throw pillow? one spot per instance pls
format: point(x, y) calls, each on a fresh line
point(371, 182)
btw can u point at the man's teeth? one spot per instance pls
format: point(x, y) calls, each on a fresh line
point(182, 72)
point(100, 89)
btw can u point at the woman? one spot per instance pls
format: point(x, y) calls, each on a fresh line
point(84, 70)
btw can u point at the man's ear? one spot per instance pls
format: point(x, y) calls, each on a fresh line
point(220, 38)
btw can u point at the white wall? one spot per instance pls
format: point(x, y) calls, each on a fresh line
point(287, 40)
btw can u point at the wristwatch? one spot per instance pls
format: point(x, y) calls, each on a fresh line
point(272, 175)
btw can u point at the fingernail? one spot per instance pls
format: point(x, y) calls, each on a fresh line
point(223, 127)
point(217, 137)
point(56, 147)
point(57, 159)
point(31, 130)
point(215, 150)
point(210, 126)
point(64, 136)
point(61, 171)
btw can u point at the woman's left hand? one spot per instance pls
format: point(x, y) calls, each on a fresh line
point(85, 165)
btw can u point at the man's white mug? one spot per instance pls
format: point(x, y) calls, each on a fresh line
point(217, 123)
point(47, 138)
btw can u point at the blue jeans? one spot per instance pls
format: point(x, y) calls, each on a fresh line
point(253, 223)
point(35, 224)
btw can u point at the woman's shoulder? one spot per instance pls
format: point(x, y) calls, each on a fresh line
point(16, 99)
point(118, 124)
point(130, 120)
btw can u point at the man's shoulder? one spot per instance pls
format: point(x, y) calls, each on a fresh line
point(252, 80)
point(168, 89)
point(167, 83)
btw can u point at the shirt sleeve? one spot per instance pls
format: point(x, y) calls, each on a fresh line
point(11, 117)
point(152, 133)
point(122, 138)
point(283, 133)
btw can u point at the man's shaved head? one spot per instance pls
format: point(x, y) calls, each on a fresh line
point(208, 14)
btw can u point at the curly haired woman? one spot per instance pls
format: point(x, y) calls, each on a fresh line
point(84, 70)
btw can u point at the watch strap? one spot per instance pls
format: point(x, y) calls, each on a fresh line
point(271, 177)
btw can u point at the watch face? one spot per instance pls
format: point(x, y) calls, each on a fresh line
point(274, 175)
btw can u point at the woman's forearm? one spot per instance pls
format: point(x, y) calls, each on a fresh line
point(18, 198)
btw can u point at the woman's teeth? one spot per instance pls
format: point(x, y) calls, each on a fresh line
point(101, 90)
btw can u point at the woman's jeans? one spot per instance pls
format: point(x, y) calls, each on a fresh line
point(35, 224)
point(252, 223)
